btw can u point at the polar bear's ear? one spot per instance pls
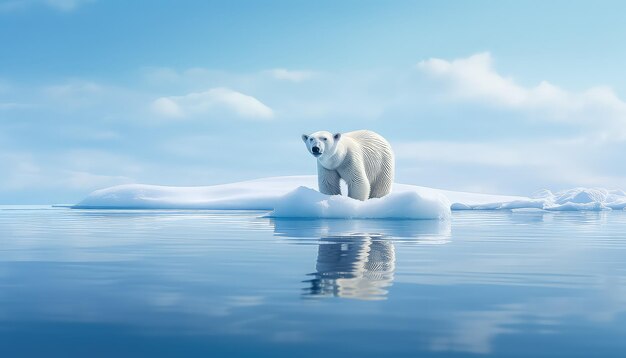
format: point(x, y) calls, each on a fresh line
point(305, 137)
point(337, 136)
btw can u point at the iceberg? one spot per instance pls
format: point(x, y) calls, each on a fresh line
point(297, 197)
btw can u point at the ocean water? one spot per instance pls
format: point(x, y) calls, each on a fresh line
point(89, 283)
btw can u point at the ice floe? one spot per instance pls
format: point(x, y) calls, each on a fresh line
point(296, 196)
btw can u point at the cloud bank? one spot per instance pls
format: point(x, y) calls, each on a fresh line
point(475, 79)
point(212, 101)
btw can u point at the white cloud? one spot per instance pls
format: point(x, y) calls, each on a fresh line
point(301, 95)
point(167, 107)
point(474, 78)
point(291, 75)
point(212, 101)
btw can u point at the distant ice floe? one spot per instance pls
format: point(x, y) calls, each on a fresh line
point(297, 197)
point(583, 199)
point(578, 199)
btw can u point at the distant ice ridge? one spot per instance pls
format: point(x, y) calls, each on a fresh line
point(577, 199)
point(296, 196)
point(582, 199)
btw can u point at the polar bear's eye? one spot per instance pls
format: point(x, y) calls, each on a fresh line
point(324, 139)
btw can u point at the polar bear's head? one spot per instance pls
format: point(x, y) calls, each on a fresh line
point(321, 144)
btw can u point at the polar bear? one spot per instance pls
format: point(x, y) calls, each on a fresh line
point(363, 159)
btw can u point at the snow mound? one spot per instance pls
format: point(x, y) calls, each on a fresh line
point(308, 203)
point(259, 194)
point(295, 196)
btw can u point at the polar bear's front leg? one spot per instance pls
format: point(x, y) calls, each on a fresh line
point(359, 187)
point(328, 181)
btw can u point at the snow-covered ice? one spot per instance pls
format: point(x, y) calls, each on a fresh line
point(296, 196)
point(414, 204)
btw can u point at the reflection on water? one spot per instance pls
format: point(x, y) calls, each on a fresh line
point(353, 267)
point(235, 284)
point(419, 231)
point(356, 258)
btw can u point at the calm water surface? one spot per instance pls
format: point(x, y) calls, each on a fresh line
point(226, 284)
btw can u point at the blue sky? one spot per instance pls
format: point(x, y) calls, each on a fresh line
point(503, 97)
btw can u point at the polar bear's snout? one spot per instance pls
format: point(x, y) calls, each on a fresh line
point(315, 144)
point(316, 151)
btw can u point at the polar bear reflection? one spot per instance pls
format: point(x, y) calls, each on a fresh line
point(359, 267)
point(357, 258)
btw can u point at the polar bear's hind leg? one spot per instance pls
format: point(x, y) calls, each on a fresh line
point(359, 188)
point(380, 188)
point(382, 185)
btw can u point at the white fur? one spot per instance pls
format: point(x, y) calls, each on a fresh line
point(363, 159)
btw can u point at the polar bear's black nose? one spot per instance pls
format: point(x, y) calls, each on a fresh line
point(315, 149)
